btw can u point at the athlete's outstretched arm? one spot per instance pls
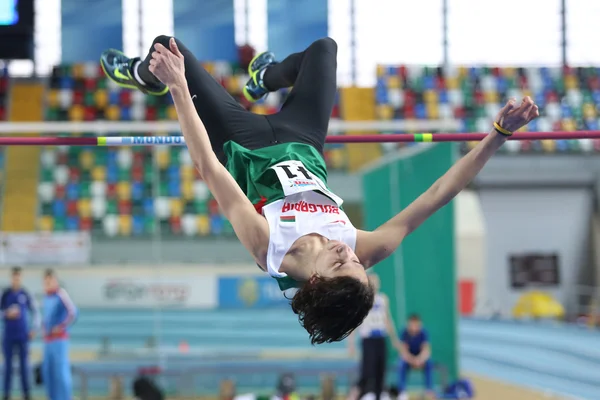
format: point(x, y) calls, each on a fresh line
point(372, 247)
point(250, 227)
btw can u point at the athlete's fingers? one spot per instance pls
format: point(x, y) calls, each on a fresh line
point(160, 48)
point(153, 62)
point(533, 114)
point(174, 48)
point(510, 104)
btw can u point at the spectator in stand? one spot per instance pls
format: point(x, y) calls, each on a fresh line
point(415, 353)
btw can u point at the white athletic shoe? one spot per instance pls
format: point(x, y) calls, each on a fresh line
point(403, 396)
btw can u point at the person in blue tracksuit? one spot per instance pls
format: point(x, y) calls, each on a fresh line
point(59, 313)
point(18, 309)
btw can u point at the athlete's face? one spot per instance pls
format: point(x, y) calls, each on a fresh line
point(337, 259)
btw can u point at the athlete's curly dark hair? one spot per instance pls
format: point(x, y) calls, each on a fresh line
point(331, 308)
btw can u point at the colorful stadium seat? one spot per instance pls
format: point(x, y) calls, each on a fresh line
point(569, 99)
point(121, 192)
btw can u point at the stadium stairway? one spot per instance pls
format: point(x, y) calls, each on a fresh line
point(22, 163)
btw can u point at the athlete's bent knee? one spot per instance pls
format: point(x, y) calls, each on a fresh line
point(162, 39)
point(327, 45)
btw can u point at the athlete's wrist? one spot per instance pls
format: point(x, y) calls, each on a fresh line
point(178, 87)
point(499, 137)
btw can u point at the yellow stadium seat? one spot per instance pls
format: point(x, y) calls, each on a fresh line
point(86, 159)
point(471, 145)
point(163, 157)
point(78, 71)
point(76, 113)
point(209, 67)
point(125, 225)
point(259, 109)
point(337, 157)
point(394, 82)
point(568, 125)
point(203, 225)
point(124, 190)
point(571, 82)
point(176, 207)
point(509, 72)
point(171, 113)
point(433, 111)
point(99, 173)
point(233, 84)
point(84, 208)
point(549, 145)
point(589, 111)
point(113, 113)
point(53, 98)
point(101, 98)
point(380, 70)
point(452, 83)
point(385, 111)
point(490, 96)
point(430, 96)
point(462, 72)
point(526, 92)
point(186, 172)
point(46, 223)
point(523, 129)
point(187, 190)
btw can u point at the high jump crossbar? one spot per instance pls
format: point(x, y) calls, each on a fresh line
point(376, 138)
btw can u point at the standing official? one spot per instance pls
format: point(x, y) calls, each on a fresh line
point(59, 314)
point(374, 331)
point(18, 309)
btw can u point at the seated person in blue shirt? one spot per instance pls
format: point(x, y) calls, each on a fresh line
point(415, 353)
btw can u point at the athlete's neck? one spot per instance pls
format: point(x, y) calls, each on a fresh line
point(299, 261)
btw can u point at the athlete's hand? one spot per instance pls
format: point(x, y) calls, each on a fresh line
point(167, 64)
point(513, 117)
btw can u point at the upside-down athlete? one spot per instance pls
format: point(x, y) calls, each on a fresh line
point(269, 177)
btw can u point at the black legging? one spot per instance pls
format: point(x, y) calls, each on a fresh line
point(373, 366)
point(304, 117)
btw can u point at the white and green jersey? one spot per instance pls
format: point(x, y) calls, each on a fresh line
point(287, 183)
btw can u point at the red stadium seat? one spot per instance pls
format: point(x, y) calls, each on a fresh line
point(111, 191)
point(90, 84)
point(213, 207)
point(125, 98)
point(59, 192)
point(175, 224)
point(124, 207)
point(85, 224)
point(72, 208)
point(74, 174)
point(78, 97)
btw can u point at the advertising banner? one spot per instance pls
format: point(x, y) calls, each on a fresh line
point(45, 248)
point(250, 292)
point(133, 288)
